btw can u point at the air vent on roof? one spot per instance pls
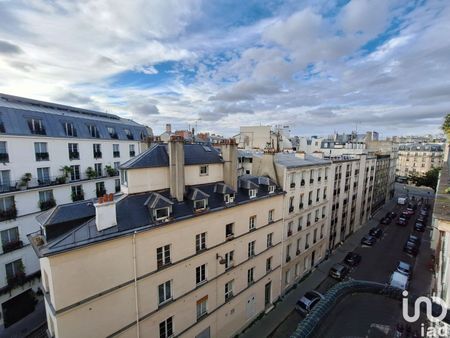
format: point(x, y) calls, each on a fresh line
point(206, 148)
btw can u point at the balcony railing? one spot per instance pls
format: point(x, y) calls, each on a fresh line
point(49, 181)
point(74, 155)
point(4, 157)
point(302, 183)
point(11, 246)
point(97, 154)
point(132, 153)
point(45, 205)
point(292, 185)
point(77, 197)
point(291, 209)
point(300, 205)
point(10, 213)
point(42, 156)
point(116, 153)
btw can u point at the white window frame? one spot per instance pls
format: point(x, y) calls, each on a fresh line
point(204, 202)
point(204, 170)
point(200, 274)
point(200, 242)
point(252, 193)
point(252, 222)
point(229, 290)
point(162, 217)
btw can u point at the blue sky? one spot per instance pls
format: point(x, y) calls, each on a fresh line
point(318, 66)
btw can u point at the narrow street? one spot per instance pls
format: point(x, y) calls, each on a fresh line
point(370, 315)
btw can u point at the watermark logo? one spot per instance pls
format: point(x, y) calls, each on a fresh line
point(428, 305)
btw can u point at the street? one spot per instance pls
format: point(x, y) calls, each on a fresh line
point(367, 315)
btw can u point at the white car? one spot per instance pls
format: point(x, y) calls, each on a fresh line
point(399, 280)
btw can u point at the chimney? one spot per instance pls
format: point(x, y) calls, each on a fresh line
point(176, 167)
point(300, 154)
point(230, 166)
point(105, 212)
point(317, 154)
point(168, 128)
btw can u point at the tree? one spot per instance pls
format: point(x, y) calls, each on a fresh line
point(429, 179)
point(446, 125)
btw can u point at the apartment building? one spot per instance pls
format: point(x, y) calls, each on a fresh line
point(188, 250)
point(50, 154)
point(306, 180)
point(419, 158)
point(352, 186)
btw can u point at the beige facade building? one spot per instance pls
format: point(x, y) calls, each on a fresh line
point(419, 158)
point(188, 250)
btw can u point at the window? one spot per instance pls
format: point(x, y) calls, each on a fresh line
point(4, 157)
point(6, 204)
point(75, 174)
point(228, 198)
point(43, 176)
point(229, 259)
point(250, 276)
point(287, 277)
point(229, 230)
point(2, 127)
point(161, 213)
point(228, 290)
point(45, 196)
point(268, 264)
point(40, 149)
point(100, 189)
point(93, 131)
point(117, 185)
point(200, 205)
point(298, 245)
point(73, 151)
point(288, 253)
point(297, 269)
point(307, 241)
point(36, 126)
point(300, 224)
point(200, 242)
point(112, 132)
point(202, 307)
point(116, 151)
point(98, 169)
point(124, 177)
point(77, 193)
point(14, 270)
point(116, 166)
point(252, 223)
point(321, 230)
point(252, 193)
point(128, 134)
point(5, 180)
point(163, 256)
point(165, 292)
point(289, 228)
point(200, 274)
point(271, 189)
point(132, 151)
point(291, 204)
point(166, 328)
point(269, 239)
point(97, 150)
point(251, 249)
point(10, 236)
point(204, 170)
point(270, 217)
point(69, 129)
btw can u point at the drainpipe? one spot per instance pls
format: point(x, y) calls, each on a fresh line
point(135, 285)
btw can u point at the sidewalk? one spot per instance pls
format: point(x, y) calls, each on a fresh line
point(267, 324)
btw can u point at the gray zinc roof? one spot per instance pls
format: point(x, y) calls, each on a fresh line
point(289, 160)
point(15, 112)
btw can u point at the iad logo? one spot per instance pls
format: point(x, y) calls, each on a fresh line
point(428, 304)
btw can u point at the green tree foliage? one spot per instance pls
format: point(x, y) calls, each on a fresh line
point(429, 179)
point(446, 125)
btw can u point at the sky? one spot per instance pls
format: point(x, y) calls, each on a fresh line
point(316, 66)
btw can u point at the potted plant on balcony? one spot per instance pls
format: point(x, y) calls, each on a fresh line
point(45, 205)
point(90, 173)
point(23, 184)
point(110, 170)
point(19, 277)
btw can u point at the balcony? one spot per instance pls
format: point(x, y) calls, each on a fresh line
point(42, 156)
point(18, 279)
point(289, 233)
point(116, 153)
point(77, 197)
point(288, 259)
point(132, 153)
point(11, 246)
point(300, 205)
point(308, 223)
point(297, 252)
point(317, 219)
point(74, 155)
point(4, 157)
point(292, 185)
point(100, 192)
point(45, 205)
point(311, 181)
point(291, 209)
point(97, 154)
point(319, 179)
point(309, 202)
point(7, 214)
point(302, 183)
point(326, 178)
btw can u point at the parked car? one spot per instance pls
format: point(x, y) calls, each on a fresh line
point(405, 214)
point(419, 227)
point(368, 240)
point(308, 301)
point(411, 248)
point(386, 220)
point(338, 271)
point(424, 212)
point(399, 280)
point(412, 206)
point(405, 269)
point(414, 239)
point(402, 200)
point(393, 214)
point(402, 221)
point(422, 219)
point(410, 211)
point(352, 259)
point(376, 232)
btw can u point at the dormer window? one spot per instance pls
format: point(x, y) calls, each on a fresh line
point(200, 204)
point(112, 132)
point(228, 198)
point(203, 170)
point(271, 189)
point(129, 134)
point(93, 131)
point(36, 126)
point(252, 193)
point(162, 213)
point(69, 129)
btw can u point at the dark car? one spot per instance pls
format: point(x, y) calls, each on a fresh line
point(402, 221)
point(338, 271)
point(352, 259)
point(405, 269)
point(411, 248)
point(368, 240)
point(419, 227)
point(407, 213)
point(412, 206)
point(414, 239)
point(392, 214)
point(422, 219)
point(308, 301)
point(385, 221)
point(376, 232)
point(424, 212)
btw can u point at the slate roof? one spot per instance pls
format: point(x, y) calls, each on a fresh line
point(67, 212)
point(195, 194)
point(158, 156)
point(289, 160)
point(223, 189)
point(133, 215)
point(421, 147)
point(15, 111)
point(156, 201)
